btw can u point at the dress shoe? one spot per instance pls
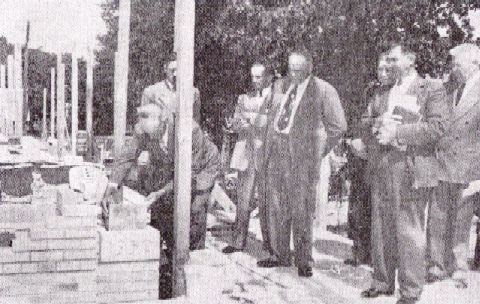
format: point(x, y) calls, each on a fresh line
point(230, 249)
point(407, 301)
point(270, 263)
point(374, 292)
point(432, 278)
point(305, 271)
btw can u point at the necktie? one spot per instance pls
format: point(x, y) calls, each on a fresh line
point(287, 109)
point(459, 94)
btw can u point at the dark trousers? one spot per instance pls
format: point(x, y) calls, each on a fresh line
point(449, 223)
point(162, 219)
point(398, 240)
point(290, 196)
point(245, 205)
point(476, 259)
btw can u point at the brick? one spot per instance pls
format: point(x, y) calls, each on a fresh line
point(9, 256)
point(80, 210)
point(80, 255)
point(81, 234)
point(72, 244)
point(127, 217)
point(133, 245)
point(46, 256)
point(45, 234)
point(12, 268)
point(28, 245)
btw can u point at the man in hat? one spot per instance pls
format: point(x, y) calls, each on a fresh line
point(165, 91)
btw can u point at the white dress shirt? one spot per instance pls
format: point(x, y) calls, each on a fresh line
point(469, 86)
point(300, 91)
point(398, 95)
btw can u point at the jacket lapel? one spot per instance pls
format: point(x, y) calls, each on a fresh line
point(468, 101)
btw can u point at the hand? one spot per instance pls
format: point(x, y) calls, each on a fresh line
point(155, 196)
point(143, 158)
point(387, 133)
point(358, 148)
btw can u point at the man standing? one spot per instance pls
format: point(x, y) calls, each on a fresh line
point(306, 123)
point(249, 120)
point(365, 198)
point(407, 179)
point(459, 156)
point(164, 92)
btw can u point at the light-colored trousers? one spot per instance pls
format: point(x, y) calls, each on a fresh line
point(449, 223)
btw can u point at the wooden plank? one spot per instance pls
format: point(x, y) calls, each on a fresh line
point(121, 76)
point(60, 105)
point(74, 103)
point(18, 79)
point(89, 101)
point(44, 115)
point(52, 102)
point(3, 77)
point(185, 14)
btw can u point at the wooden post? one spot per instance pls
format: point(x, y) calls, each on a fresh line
point(60, 106)
point(74, 103)
point(121, 76)
point(18, 84)
point(52, 102)
point(89, 102)
point(26, 106)
point(185, 23)
point(3, 77)
point(44, 115)
point(10, 110)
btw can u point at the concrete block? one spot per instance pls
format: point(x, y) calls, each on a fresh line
point(45, 280)
point(127, 217)
point(130, 276)
point(42, 256)
point(80, 244)
point(32, 268)
point(52, 298)
point(127, 286)
point(133, 245)
point(61, 222)
point(12, 268)
point(7, 255)
point(48, 266)
point(68, 266)
point(66, 196)
point(127, 296)
point(84, 233)
point(45, 234)
point(81, 210)
point(18, 213)
point(22, 245)
point(80, 255)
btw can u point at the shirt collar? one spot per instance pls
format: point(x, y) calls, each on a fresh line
point(407, 80)
point(169, 85)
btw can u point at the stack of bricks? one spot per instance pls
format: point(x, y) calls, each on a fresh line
point(54, 251)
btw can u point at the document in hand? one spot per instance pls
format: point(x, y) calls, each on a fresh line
point(408, 116)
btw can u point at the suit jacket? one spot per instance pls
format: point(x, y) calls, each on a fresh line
point(459, 148)
point(159, 172)
point(421, 137)
point(318, 125)
point(249, 140)
point(161, 94)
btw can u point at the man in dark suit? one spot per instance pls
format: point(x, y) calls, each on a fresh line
point(363, 167)
point(405, 177)
point(459, 157)
point(306, 122)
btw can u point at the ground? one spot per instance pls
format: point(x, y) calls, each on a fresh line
point(217, 278)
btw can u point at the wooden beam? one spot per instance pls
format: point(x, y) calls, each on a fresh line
point(10, 110)
point(26, 105)
point(18, 84)
point(89, 101)
point(121, 76)
point(185, 28)
point(52, 102)
point(3, 77)
point(74, 103)
point(60, 106)
point(44, 115)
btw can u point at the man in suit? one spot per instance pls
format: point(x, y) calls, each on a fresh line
point(153, 157)
point(164, 92)
point(306, 123)
point(363, 166)
point(459, 157)
point(404, 182)
point(250, 115)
